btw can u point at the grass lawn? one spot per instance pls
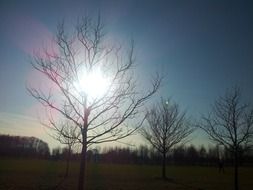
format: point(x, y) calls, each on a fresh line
point(43, 174)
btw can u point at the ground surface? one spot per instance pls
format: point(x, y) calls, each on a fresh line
point(41, 174)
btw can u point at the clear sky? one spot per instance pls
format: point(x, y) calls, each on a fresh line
point(203, 46)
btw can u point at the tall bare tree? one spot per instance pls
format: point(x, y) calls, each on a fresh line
point(230, 123)
point(111, 116)
point(167, 127)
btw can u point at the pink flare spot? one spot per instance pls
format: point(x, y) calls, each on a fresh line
point(40, 81)
point(31, 36)
point(42, 114)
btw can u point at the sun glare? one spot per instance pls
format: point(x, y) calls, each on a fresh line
point(94, 84)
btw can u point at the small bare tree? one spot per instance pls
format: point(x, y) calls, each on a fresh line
point(111, 115)
point(66, 135)
point(230, 124)
point(167, 127)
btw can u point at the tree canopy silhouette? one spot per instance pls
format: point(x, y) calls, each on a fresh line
point(230, 123)
point(97, 118)
point(167, 127)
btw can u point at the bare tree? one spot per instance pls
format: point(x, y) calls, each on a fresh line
point(230, 124)
point(111, 115)
point(66, 135)
point(167, 127)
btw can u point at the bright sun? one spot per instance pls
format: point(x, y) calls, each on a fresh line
point(93, 83)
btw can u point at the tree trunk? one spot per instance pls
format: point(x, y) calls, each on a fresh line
point(164, 166)
point(82, 179)
point(68, 159)
point(236, 169)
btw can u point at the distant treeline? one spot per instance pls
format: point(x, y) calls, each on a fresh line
point(17, 146)
point(182, 155)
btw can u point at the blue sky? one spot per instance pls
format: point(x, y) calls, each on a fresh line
point(203, 47)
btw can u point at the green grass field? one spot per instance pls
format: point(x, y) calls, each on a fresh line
point(42, 174)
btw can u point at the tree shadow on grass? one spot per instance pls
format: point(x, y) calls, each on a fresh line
point(177, 182)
